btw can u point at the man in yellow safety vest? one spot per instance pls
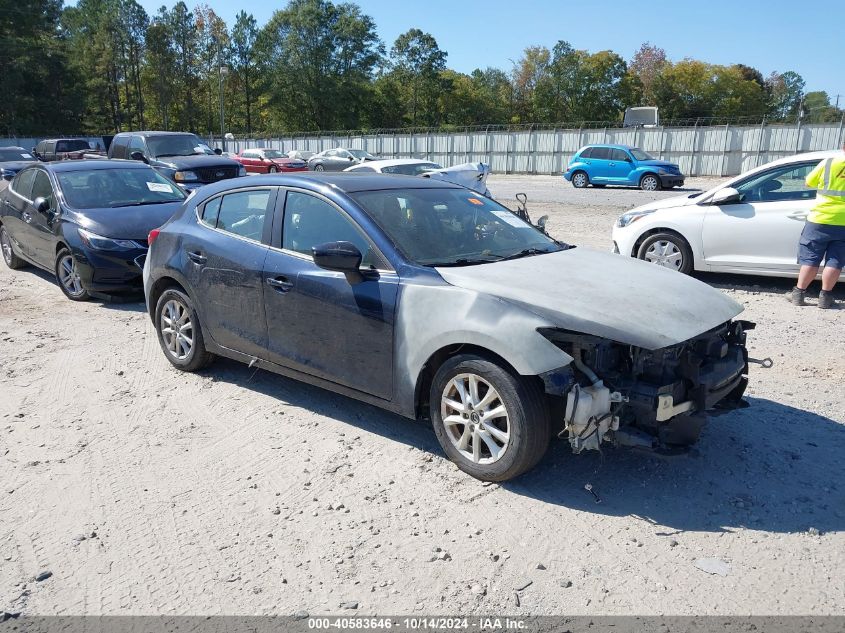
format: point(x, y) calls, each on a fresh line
point(823, 238)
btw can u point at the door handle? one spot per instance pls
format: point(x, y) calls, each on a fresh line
point(612, 165)
point(26, 217)
point(282, 284)
point(196, 257)
point(798, 216)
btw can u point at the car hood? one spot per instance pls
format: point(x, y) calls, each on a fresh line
point(470, 175)
point(669, 203)
point(616, 298)
point(199, 160)
point(126, 223)
point(658, 163)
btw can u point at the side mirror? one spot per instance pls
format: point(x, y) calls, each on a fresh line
point(7, 175)
point(41, 205)
point(218, 151)
point(341, 256)
point(136, 155)
point(351, 158)
point(728, 195)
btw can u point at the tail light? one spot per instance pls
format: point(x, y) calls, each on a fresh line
point(152, 236)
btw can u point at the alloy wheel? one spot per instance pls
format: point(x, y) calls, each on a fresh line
point(649, 183)
point(177, 330)
point(475, 418)
point(579, 180)
point(665, 253)
point(318, 168)
point(69, 276)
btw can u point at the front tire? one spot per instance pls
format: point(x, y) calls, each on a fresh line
point(650, 182)
point(179, 331)
point(668, 250)
point(272, 169)
point(580, 179)
point(12, 261)
point(492, 423)
point(67, 274)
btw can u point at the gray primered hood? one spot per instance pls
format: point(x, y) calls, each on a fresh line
point(614, 297)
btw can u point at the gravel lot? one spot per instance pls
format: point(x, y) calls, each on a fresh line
point(144, 491)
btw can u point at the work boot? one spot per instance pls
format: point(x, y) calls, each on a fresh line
point(826, 299)
point(796, 297)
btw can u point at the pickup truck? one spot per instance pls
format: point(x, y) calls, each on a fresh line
point(49, 150)
point(180, 156)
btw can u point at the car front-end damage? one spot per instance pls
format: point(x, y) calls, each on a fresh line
point(654, 399)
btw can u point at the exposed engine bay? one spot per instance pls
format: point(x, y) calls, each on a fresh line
point(653, 399)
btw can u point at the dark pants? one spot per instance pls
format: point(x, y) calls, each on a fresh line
point(822, 242)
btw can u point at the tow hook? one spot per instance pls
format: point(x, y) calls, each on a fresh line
point(766, 363)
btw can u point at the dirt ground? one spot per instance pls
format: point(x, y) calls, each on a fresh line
point(142, 490)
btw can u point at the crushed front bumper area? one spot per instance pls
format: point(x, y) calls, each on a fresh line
point(656, 399)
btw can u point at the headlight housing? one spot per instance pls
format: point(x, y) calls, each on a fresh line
point(241, 171)
point(632, 216)
point(185, 176)
point(100, 243)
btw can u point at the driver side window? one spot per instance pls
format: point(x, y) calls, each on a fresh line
point(310, 221)
point(41, 188)
point(782, 183)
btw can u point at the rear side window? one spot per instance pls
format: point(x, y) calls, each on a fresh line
point(601, 153)
point(118, 147)
point(72, 146)
point(22, 184)
point(243, 213)
point(210, 212)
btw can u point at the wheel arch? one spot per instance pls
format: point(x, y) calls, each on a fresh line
point(157, 289)
point(440, 356)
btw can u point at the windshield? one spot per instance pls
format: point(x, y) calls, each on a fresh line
point(110, 188)
point(449, 227)
point(414, 169)
point(14, 153)
point(640, 154)
point(359, 153)
point(274, 153)
point(177, 145)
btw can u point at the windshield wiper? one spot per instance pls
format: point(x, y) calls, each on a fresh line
point(466, 261)
point(145, 202)
point(527, 252)
point(167, 155)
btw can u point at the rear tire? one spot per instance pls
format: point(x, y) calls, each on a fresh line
point(492, 423)
point(319, 168)
point(12, 261)
point(272, 169)
point(67, 274)
point(650, 182)
point(580, 179)
point(668, 250)
point(179, 331)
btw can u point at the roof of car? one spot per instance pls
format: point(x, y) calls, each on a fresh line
point(93, 164)
point(612, 145)
point(348, 182)
point(154, 133)
point(14, 148)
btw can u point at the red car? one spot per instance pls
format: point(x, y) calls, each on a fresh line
point(269, 161)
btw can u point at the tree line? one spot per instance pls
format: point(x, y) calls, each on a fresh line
point(103, 66)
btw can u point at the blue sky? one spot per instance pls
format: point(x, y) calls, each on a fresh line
point(773, 35)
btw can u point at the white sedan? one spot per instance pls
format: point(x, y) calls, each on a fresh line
point(470, 175)
point(748, 225)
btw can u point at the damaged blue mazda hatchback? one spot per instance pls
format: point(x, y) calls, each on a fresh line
point(429, 300)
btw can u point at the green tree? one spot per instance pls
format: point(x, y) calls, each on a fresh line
point(818, 109)
point(319, 59)
point(160, 87)
point(784, 93)
point(528, 72)
point(645, 67)
point(244, 62)
point(417, 62)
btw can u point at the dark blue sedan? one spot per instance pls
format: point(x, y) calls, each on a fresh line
point(427, 299)
point(86, 221)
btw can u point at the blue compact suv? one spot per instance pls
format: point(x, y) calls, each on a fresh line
point(601, 165)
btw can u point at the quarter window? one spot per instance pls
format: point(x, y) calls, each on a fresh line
point(243, 213)
point(782, 183)
point(587, 153)
point(210, 212)
point(310, 221)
